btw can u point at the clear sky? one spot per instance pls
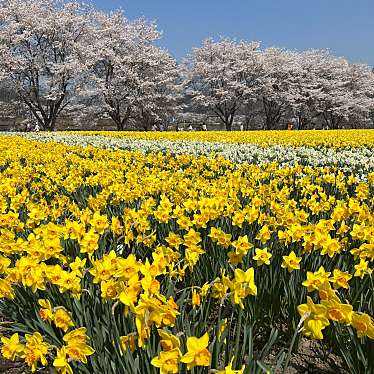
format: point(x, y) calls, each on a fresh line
point(346, 27)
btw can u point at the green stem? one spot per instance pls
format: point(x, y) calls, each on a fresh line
point(237, 338)
point(372, 290)
point(216, 345)
point(293, 342)
point(250, 351)
point(358, 294)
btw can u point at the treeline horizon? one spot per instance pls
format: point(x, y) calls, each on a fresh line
point(67, 60)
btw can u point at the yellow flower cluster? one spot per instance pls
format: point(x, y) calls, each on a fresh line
point(151, 241)
point(317, 316)
point(36, 349)
point(307, 138)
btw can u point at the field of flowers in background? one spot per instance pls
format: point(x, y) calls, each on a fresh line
point(316, 138)
point(186, 252)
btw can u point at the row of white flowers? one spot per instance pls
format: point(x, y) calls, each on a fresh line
point(357, 160)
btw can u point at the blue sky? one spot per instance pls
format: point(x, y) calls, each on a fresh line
point(346, 27)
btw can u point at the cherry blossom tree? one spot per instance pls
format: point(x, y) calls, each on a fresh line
point(330, 88)
point(41, 44)
point(60, 57)
point(229, 78)
point(159, 92)
point(156, 95)
point(132, 78)
point(279, 69)
point(304, 87)
point(333, 98)
point(319, 86)
point(220, 76)
point(347, 93)
point(361, 86)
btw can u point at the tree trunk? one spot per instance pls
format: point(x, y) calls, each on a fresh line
point(273, 113)
point(120, 122)
point(303, 122)
point(332, 121)
point(50, 124)
point(226, 115)
point(120, 125)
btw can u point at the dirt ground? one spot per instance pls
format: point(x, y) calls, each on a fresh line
point(312, 359)
point(12, 367)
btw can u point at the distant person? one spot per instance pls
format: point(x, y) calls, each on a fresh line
point(241, 127)
point(36, 128)
point(204, 127)
point(295, 123)
point(290, 125)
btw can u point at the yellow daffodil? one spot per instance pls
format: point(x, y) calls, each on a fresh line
point(229, 370)
point(262, 256)
point(167, 361)
point(11, 347)
point(46, 312)
point(62, 319)
point(291, 262)
point(316, 280)
point(197, 354)
point(363, 324)
point(61, 362)
point(35, 350)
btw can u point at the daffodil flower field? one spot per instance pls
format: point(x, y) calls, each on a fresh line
point(186, 252)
